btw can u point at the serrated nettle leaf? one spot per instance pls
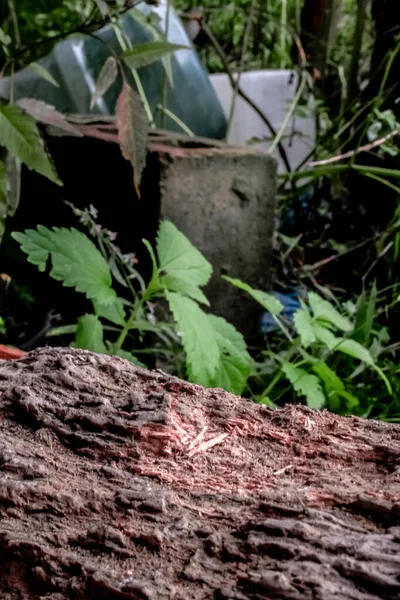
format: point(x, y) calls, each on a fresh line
point(199, 343)
point(133, 128)
point(304, 326)
point(334, 386)
point(43, 73)
point(305, 384)
point(75, 260)
point(20, 136)
point(186, 288)
point(327, 312)
point(267, 301)
point(330, 379)
point(106, 78)
point(89, 334)
point(234, 365)
point(115, 312)
point(354, 349)
point(141, 55)
point(45, 113)
point(325, 336)
point(182, 267)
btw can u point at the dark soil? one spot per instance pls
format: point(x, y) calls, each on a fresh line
point(121, 483)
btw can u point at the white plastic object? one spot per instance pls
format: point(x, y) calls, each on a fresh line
point(273, 92)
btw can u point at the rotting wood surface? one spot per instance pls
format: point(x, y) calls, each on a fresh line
point(121, 483)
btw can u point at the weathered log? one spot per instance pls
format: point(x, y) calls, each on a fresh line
point(121, 483)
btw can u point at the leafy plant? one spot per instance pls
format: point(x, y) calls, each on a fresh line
point(20, 137)
point(311, 357)
point(216, 354)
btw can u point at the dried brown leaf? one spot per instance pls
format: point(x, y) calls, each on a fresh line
point(45, 113)
point(106, 78)
point(133, 129)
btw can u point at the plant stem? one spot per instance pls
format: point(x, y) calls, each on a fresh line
point(282, 328)
point(177, 120)
point(136, 78)
point(14, 19)
point(282, 35)
point(242, 94)
point(273, 383)
point(245, 45)
point(165, 77)
point(330, 169)
point(125, 330)
point(288, 116)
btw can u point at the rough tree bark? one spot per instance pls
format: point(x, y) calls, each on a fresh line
point(120, 483)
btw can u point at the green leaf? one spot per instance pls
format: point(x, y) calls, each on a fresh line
point(3, 182)
point(351, 401)
point(5, 39)
point(20, 136)
point(183, 268)
point(14, 184)
point(267, 301)
point(326, 312)
point(332, 382)
point(365, 315)
point(89, 334)
point(154, 285)
point(198, 339)
point(129, 356)
point(146, 53)
point(43, 73)
point(10, 186)
point(334, 386)
point(305, 385)
point(133, 128)
point(151, 23)
point(234, 365)
point(325, 336)
point(354, 349)
point(106, 78)
point(62, 330)
point(304, 325)
point(115, 312)
point(75, 260)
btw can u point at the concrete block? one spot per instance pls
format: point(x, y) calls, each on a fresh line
point(222, 198)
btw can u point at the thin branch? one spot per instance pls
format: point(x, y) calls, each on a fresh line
point(246, 38)
point(14, 18)
point(351, 153)
point(85, 27)
point(242, 94)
